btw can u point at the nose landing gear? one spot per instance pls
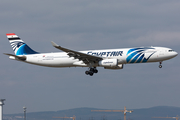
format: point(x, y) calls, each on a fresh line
point(91, 71)
point(160, 66)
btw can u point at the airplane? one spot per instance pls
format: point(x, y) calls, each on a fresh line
point(108, 58)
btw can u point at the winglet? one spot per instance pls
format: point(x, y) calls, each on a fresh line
point(54, 44)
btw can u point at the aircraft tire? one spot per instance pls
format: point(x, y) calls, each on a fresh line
point(91, 73)
point(95, 71)
point(87, 72)
point(160, 66)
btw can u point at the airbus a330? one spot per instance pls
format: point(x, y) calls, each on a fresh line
point(107, 58)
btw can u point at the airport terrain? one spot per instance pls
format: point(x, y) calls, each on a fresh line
point(86, 114)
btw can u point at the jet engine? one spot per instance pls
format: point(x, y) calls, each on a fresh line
point(108, 63)
point(120, 66)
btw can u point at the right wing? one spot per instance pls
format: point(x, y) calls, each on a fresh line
point(87, 59)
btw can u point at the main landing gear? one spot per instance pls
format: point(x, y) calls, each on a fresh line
point(91, 71)
point(160, 66)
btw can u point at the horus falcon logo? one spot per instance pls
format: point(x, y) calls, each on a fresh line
point(139, 55)
point(16, 44)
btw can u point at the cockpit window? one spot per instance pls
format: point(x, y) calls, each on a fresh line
point(171, 50)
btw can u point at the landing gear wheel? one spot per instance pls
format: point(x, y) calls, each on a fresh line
point(87, 72)
point(95, 71)
point(160, 66)
point(91, 73)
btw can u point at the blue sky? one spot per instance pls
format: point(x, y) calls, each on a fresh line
point(84, 25)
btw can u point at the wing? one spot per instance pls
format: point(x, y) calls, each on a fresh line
point(79, 55)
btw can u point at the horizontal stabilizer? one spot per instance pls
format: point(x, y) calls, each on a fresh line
point(17, 57)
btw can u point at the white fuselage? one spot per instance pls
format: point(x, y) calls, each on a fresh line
point(123, 56)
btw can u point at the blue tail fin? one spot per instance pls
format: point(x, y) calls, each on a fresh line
point(19, 47)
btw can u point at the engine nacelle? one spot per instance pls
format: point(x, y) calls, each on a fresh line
point(120, 66)
point(108, 63)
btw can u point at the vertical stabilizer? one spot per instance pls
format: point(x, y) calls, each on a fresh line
point(19, 47)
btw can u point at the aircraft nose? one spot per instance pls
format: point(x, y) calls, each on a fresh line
point(173, 54)
point(176, 54)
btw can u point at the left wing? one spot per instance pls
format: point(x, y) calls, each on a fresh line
point(79, 55)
